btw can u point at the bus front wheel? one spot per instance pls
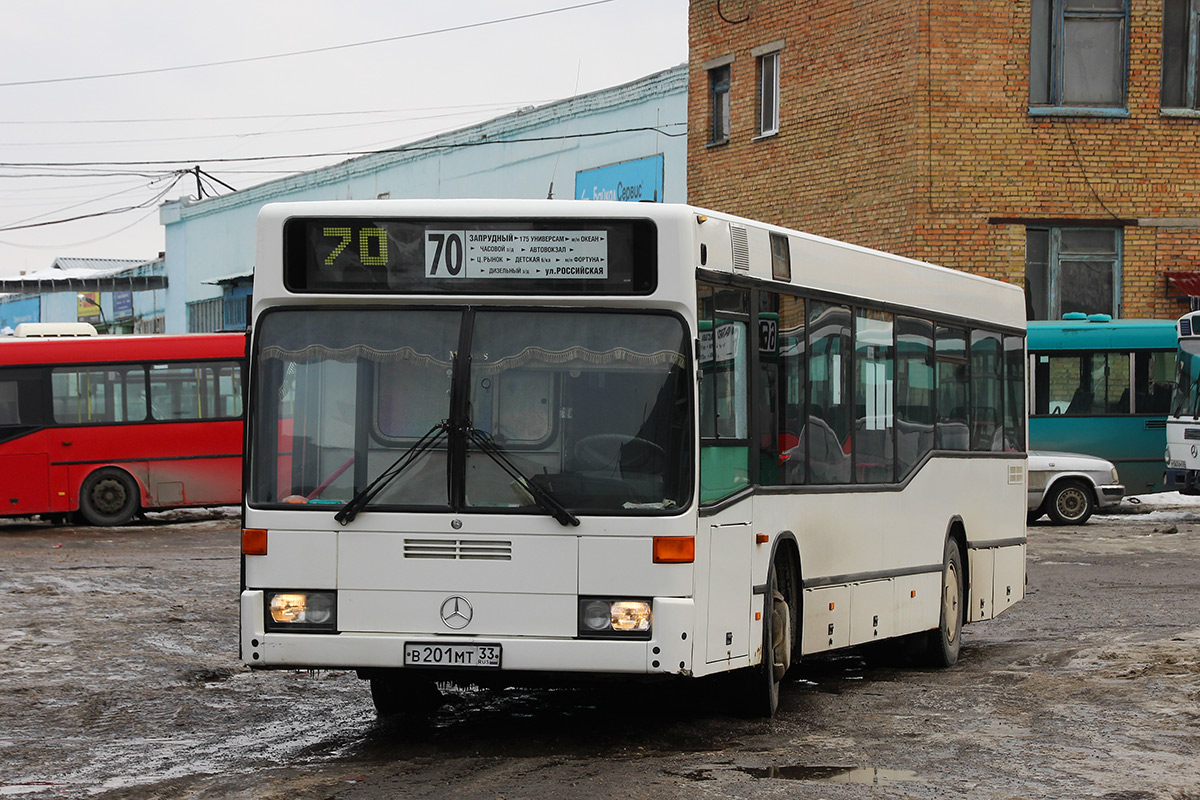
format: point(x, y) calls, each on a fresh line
point(109, 496)
point(778, 640)
point(944, 642)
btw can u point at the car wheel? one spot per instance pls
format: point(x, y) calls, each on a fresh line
point(109, 496)
point(1069, 503)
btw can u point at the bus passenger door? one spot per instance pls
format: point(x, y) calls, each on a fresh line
point(729, 580)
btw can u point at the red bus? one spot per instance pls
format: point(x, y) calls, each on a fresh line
point(109, 426)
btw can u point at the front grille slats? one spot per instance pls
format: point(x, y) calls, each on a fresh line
point(459, 549)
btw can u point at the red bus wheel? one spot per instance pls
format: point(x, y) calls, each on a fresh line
point(109, 496)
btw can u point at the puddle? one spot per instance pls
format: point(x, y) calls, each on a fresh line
point(867, 775)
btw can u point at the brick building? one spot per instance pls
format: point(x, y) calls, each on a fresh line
point(1049, 143)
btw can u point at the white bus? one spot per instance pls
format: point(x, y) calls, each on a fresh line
point(1182, 472)
point(516, 442)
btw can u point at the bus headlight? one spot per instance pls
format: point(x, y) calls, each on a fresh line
point(301, 610)
point(607, 617)
point(1115, 477)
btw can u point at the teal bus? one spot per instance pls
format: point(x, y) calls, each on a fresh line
point(1103, 387)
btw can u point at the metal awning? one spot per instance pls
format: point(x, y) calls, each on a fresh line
point(1186, 282)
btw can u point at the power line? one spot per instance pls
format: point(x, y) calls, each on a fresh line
point(331, 48)
point(295, 115)
point(348, 153)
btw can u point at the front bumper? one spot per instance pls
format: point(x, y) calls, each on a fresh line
point(1184, 481)
point(669, 651)
point(1110, 495)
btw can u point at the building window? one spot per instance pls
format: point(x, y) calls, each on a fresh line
point(1179, 53)
point(718, 80)
point(205, 316)
point(768, 94)
point(1078, 53)
point(1072, 269)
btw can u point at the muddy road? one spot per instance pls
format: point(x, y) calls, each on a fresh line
point(119, 678)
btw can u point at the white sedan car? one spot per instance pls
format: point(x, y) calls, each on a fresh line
point(1068, 487)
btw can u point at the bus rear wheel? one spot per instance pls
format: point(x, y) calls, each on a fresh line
point(109, 496)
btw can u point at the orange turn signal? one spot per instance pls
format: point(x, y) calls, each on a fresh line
point(254, 542)
point(674, 549)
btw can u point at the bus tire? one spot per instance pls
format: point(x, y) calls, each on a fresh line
point(109, 496)
point(943, 643)
point(395, 694)
point(777, 644)
point(1069, 503)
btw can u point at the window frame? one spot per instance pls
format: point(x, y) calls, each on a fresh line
point(1055, 256)
point(1188, 69)
point(720, 80)
point(1049, 21)
point(768, 103)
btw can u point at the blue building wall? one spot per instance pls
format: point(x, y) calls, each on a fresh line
point(636, 128)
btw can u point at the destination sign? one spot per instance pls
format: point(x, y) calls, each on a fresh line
point(556, 256)
point(516, 254)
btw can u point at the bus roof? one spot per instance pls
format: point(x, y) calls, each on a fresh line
point(702, 239)
point(1117, 334)
point(120, 349)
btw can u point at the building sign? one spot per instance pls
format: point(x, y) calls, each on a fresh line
point(122, 305)
point(14, 312)
point(87, 306)
point(630, 181)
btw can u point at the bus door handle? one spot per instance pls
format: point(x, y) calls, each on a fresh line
point(66, 444)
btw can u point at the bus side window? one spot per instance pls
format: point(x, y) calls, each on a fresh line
point(1014, 394)
point(21, 401)
point(987, 404)
point(783, 367)
point(873, 439)
point(97, 395)
point(724, 392)
point(1154, 375)
point(826, 433)
point(914, 392)
point(952, 389)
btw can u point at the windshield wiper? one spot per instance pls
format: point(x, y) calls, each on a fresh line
point(360, 500)
point(548, 502)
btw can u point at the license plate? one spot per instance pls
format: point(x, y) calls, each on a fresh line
point(485, 656)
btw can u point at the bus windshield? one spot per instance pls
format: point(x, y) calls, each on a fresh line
point(592, 408)
point(1186, 401)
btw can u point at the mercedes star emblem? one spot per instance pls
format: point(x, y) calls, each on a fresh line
point(456, 612)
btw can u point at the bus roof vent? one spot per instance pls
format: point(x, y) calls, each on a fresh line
point(741, 247)
point(1099, 318)
point(1074, 316)
point(52, 330)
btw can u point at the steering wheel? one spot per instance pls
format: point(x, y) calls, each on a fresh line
point(603, 450)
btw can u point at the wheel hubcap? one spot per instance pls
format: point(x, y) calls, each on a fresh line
point(1071, 503)
point(950, 601)
point(109, 496)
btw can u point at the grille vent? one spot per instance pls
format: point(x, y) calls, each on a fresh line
point(458, 549)
point(1185, 326)
point(741, 247)
point(1192, 434)
point(1155, 424)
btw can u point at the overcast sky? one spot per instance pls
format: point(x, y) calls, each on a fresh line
point(62, 140)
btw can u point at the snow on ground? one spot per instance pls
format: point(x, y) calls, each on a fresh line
point(1158, 507)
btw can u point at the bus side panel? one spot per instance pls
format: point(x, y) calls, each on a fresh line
point(982, 566)
point(1008, 582)
point(1134, 444)
point(25, 489)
